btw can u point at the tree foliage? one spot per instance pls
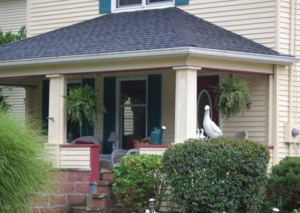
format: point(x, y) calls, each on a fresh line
point(23, 168)
point(222, 175)
point(9, 36)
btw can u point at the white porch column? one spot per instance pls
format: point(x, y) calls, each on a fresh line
point(185, 103)
point(57, 123)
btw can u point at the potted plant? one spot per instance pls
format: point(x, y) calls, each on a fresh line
point(233, 96)
point(82, 103)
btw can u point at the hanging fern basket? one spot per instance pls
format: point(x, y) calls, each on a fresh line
point(82, 103)
point(233, 96)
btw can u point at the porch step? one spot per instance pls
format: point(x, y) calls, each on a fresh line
point(85, 209)
point(101, 187)
point(99, 200)
point(107, 176)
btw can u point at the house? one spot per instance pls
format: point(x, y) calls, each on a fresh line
point(158, 57)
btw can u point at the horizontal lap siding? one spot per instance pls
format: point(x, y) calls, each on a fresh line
point(12, 15)
point(254, 19)
point(254, 120)
point(75, 157)
point(16, 98)
point(48, 15)
point(283, 76)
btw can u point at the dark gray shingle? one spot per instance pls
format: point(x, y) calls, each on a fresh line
point(129, 31)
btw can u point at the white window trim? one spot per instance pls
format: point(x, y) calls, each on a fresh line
point(118, 81)
point(144, 6)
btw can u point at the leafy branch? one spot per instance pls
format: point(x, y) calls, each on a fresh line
point(9, 36)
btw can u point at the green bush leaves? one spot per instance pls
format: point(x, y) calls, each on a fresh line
point(137, 179)
point(283, 189)
point(222, 175)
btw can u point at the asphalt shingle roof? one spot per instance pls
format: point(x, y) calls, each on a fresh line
point(130, 31)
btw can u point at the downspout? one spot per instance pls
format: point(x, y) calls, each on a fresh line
point(291, 79)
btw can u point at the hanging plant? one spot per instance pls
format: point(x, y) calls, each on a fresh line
point(232, 96)
point(82, 103)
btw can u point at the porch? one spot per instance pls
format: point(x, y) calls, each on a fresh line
point(171, 94)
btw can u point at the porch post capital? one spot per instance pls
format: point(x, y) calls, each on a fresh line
point(182, 68)
point(55, 76)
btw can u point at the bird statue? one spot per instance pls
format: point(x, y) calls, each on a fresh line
point(200, 134)
point(210, 128)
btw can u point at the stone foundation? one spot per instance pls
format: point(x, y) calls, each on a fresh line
point(67, 188)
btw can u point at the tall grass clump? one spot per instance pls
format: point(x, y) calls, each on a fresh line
point(23, 168)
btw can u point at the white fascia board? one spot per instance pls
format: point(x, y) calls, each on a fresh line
point(252, 57)
point(168, 52)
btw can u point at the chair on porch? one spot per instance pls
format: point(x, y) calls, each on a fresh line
point(241, 135)
point(86, 139)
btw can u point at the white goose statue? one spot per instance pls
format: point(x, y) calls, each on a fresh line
point(210, 128)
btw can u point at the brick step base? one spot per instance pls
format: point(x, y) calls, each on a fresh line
point(101, 198)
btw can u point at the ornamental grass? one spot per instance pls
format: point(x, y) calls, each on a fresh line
point(23, 167)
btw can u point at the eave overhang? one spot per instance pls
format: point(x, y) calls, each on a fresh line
point(168, 52)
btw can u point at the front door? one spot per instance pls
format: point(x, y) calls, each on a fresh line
point(206, 96)
point(132, 110)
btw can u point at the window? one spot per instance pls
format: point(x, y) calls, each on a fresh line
point(129, 5)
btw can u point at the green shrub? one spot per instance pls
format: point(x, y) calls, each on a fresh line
point(23, 168)
point(137, 179)
point(222, 175)
point(283, 189)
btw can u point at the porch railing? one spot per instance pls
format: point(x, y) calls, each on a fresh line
point(81, 156)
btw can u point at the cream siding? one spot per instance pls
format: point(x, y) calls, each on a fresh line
point(34, 102)
point(48, 15)
point(16, 98)
point(254, 120)
point(288, 44)
point(254, 19)
point(12, 15)
point(74, 157)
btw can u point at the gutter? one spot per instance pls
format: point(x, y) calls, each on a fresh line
point(167, 52)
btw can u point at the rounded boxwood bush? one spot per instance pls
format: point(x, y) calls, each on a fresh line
point(221, 175)
point(23, 167)
point(283, 189)
point(137, 179)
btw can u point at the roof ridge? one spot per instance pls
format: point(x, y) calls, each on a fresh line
point(180, 27)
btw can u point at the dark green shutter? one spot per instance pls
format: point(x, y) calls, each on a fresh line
point(109, 118)
point(105, 6)
point(45, 106)
point(181, 2)
point(154, 102)
point(87, 129)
